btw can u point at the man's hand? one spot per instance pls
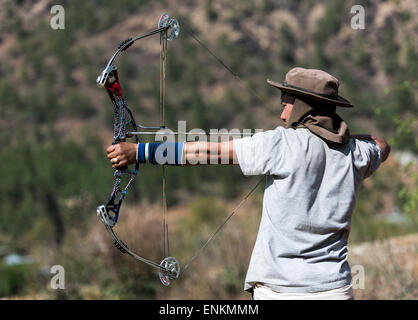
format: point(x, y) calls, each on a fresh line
point(383, 145)
point(122, 154)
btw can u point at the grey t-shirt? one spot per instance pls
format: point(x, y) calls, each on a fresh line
point(309, 198)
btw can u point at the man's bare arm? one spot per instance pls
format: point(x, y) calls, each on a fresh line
point(383, 145)
point(197, 153)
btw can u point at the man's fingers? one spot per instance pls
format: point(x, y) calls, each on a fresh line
point(123, 153)
point(111, 148)
point(116, 152)
point(112, 155)
point(117, 159)
point(120, 164)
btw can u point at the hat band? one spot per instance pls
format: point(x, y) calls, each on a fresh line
point(329, 96)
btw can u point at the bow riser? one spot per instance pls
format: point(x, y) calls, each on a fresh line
point(113, 86)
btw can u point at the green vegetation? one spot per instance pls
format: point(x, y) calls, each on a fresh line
point(286, 37)
point(389, 49)
point(331, 21)
point(14, 279)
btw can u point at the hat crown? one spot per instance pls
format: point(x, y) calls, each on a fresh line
point(313, 80)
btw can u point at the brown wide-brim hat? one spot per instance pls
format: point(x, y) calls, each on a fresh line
point(313, 84)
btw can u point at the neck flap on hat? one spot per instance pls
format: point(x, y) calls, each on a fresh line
point(320, 119)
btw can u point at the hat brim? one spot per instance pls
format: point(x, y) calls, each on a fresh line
point(339, 101)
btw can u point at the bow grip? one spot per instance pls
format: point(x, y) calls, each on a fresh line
point(116, 141)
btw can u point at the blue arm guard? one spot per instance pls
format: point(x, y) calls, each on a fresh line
point(170, 153)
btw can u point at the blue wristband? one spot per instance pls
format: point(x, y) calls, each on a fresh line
point(171, 153)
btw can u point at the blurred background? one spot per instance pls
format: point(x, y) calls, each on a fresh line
point(56, 123)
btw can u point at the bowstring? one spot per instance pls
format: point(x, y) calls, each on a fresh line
point(212, 236)
point(163, 59)
point(219, 60)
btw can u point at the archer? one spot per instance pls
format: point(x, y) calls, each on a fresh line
point(314, 169)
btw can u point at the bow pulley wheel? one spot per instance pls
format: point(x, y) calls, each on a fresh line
point(173, 26)
point(173, 270)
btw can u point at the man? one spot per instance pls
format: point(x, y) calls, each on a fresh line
point(314, 169)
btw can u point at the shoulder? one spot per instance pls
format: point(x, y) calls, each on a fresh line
point(290, 133)
point(279, 137)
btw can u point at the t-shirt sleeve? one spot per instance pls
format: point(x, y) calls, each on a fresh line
point(260, 154)
point(368, 157)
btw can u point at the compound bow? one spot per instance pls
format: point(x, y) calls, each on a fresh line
point(124, 123)
point(125, 126)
